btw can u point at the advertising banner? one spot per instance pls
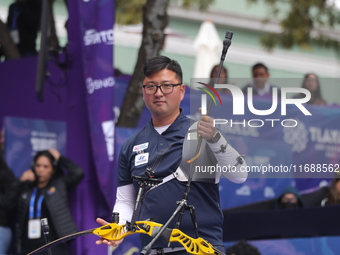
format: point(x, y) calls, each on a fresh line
point(96, 25)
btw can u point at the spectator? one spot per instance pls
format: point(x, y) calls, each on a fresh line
point(289, 198)
point(260, 84)
point(333, 195)
point(2, 141)
point(8, 192)
point(43, 194)
point(23, 22)
point(223, 75)
point(222, 80)
point(311, 82)
point(242, 248)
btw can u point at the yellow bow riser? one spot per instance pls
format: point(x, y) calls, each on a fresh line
point(115, 232)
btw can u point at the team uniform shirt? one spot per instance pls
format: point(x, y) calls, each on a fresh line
point(162, 153)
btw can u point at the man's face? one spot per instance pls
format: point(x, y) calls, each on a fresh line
point(289, 198)
point(260, 76)
point(163, 105)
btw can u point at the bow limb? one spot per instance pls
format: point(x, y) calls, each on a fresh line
point(194, 158)
point(196, 246)
point(61, 240)
point(115, 232)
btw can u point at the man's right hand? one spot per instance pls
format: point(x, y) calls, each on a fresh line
point(28, 175)
point(104, 241)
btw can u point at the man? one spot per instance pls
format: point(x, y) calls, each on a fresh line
point(23, 22)
point(158, 146)
point(289, 198)
point(260, 84)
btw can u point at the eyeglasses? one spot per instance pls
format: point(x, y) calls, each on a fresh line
point(151, 89)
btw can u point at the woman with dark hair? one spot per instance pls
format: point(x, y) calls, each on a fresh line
point(8, 192)
point(223, 79)
point(223, 75)
point(311, 82)
point(333, 195)
point(44, 194)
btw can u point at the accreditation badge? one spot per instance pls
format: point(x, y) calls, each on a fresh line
point(34, 229)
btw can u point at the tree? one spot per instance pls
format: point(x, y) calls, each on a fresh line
point(155, 20)
point(304, 24)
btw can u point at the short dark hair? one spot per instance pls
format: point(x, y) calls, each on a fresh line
point(242, 248)
point(158, 63)
point(259, 65)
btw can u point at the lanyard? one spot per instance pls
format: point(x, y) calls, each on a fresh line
point(39, 203)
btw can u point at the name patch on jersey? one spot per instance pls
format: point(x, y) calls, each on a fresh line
point(142, 158)
point(140, 147)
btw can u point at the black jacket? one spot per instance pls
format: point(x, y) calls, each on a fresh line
point(8, 193)
point(25, 17)
point(55, 199)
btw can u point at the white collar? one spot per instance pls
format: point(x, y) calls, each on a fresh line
point(160, 130)
point(264, 90)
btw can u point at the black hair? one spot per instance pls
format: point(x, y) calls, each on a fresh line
point(242, 248)
point(259, 65)
point(158, 63)
point(50, 157)
point(217, 66)
point(332, 195)
point(317, 93)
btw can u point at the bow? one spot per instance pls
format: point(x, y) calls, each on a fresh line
point(115, 232)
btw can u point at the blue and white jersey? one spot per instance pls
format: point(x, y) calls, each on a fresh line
point(163, 154)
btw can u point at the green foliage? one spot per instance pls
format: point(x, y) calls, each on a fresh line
point(303, 24)
point(130, 11)
point(202, 5)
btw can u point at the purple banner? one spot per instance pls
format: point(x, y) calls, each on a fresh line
point(96, 26)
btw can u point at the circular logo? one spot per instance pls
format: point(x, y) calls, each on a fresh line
point(296, 136)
